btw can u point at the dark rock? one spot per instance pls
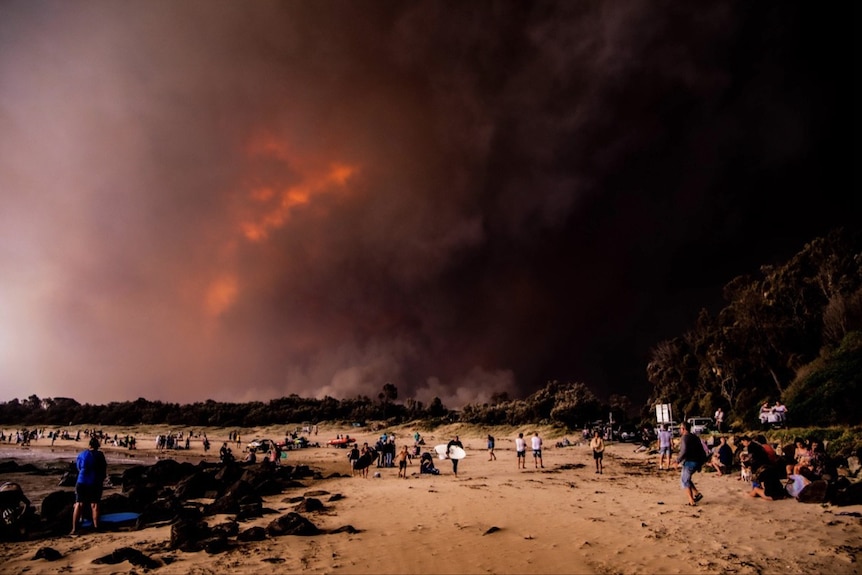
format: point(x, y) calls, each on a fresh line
point(229, 502)
point(318, 493)
point(345, 529)
point(164, 509)
point(814, 492)
point(140, 496)
point(57, 505)
point(68, 479)
point(115, 503)
point(129, 554)
point(291, 524)
point(252, 534)
point(302, 471)
point(227, 529)
point(189, 535)
point(48, 554)
point(336, 497)
point(196, 485)
point(309, 505)
point(215, 544)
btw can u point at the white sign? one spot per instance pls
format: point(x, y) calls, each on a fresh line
point(662, 413)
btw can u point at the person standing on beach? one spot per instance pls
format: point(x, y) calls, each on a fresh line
point(403, 459)
point(521, 450)
point(691, 457)
point(597, 444)
point(455, 442)
point(491, 455)
point(719, 420)
point(665, 446)
point(92, 470)
point(537, 450)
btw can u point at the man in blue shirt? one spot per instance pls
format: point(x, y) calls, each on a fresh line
point(92, 470)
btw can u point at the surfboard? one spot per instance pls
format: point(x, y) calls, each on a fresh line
point(365, 460)
point(114, 518)
point(444, 452)
point(456, 452)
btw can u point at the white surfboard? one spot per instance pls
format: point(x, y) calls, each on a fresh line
point(446, 452)
point(456, 452)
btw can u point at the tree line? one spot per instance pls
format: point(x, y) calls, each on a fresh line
point(791, 333)
point(557, 402)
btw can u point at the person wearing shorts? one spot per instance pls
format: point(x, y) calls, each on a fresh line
point(665, 446)
point(690, 457)
point(92, 470)
point(597, 444)
point(537, 450)
point(403, 457)
point(521, 450)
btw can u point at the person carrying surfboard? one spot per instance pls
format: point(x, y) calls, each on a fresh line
point(456, 443)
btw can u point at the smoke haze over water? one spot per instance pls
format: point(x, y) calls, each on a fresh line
point(239, 201)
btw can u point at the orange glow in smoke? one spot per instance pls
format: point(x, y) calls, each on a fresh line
point(221, 295)
point(265, 205)
point(274, 206)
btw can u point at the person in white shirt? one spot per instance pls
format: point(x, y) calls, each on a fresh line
point(521, 450)
point(537, 450)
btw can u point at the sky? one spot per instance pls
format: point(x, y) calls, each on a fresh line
point(240, 201)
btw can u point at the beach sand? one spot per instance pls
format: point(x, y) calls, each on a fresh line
point(491, 518)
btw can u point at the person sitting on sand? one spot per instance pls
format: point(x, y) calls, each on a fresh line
point(801, 454)
point(722, 457)
point(426, 465)
point(817, 462)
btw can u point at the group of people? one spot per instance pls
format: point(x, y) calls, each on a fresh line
point(775, 413)
point(771, 473)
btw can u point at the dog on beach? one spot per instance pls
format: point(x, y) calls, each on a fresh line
point(744, 467)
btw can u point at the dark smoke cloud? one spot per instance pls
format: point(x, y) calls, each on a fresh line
point(527, 191)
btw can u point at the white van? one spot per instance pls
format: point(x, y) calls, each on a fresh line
point(701, 424)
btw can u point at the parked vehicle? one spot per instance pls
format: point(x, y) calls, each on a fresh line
point(673, 426)
point(701, 424)
point(629, 433)
point(260, 445)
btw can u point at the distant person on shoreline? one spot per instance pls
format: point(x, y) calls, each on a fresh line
point(597, 444)
point(491, 455)
point(537, 450)
point(521, 450)
point(455, 442)
point(92, 470)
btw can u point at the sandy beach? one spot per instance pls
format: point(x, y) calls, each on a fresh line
point(491, 518)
